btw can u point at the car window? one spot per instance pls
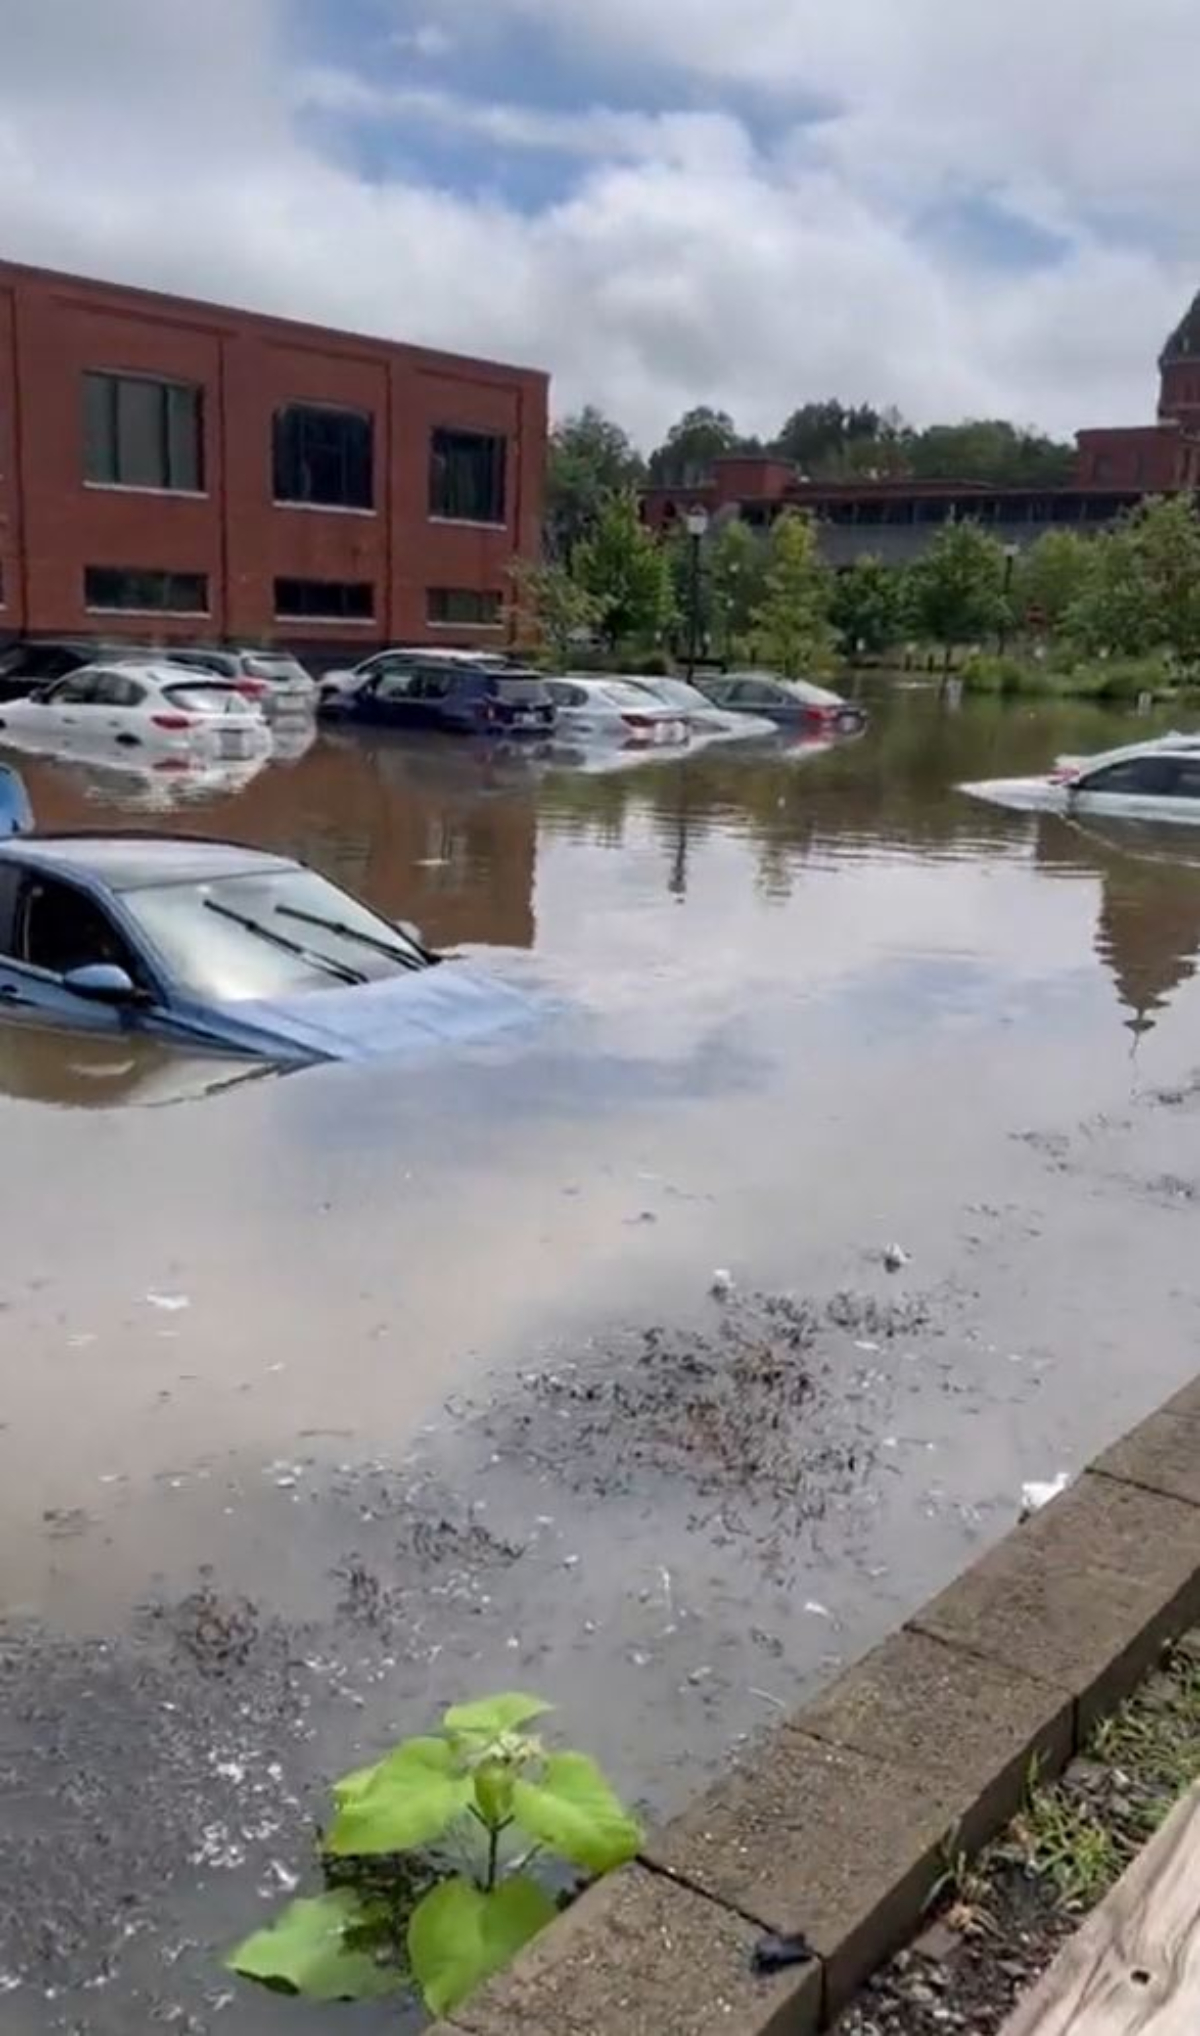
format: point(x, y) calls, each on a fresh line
point(58, 928)
point(205, 661)
point(77, 691)
point(280, 670)
point(1186, 782)
point(431, 682)
point(519, 690)
point(212, 955)
point(1141, 776)
point(754, 693)
point(394, 684)
point(113, 689)
point(201, 698)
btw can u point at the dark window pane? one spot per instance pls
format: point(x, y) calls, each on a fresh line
point(467, 476)
point(140, 433)
point(142, 589)
point(325, 600)
point(323, 456)
point(464, 605)
point(1143, 775)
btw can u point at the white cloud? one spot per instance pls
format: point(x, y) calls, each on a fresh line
point(691, 255)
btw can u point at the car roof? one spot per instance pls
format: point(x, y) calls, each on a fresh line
point(130, 861)
point(1158, 745)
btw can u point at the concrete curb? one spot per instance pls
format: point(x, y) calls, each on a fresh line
point(842, 1820)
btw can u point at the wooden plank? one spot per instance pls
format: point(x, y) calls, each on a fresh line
point(1133, 1969)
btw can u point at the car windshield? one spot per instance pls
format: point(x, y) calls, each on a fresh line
point(199, 698)
point(673, 693)
point(630, 699)
point(267, 935)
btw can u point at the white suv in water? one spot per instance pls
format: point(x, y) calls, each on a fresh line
point(1158, 780)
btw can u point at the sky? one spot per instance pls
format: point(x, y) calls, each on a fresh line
point(957, 207)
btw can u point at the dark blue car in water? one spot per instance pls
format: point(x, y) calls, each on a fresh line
point(221, 948)
point(458, 697)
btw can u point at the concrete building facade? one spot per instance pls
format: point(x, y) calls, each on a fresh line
point(174, 470)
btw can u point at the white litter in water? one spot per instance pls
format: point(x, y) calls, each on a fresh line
point(170, 1303)
point(868, 1349)
point(1036, 1495)
point(818, 1610)
point(896, 1258)
point(721, 1285)
point(81, 1341)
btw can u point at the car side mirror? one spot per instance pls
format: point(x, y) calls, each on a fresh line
point(105, 982)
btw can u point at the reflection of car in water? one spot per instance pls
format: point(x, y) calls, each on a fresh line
point(93, 1071)
point(160, 787)
point(1157, 780)
point(213, 945)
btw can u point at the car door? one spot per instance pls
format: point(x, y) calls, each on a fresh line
point(437, 699)
point(385, 701)
point(760, 696)
point(47, 928)
point(1140, 787)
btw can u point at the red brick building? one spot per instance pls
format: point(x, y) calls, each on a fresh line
point(894, 519)
point(172, 470)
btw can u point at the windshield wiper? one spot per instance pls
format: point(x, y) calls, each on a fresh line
point(334, 968)
point(417, 959)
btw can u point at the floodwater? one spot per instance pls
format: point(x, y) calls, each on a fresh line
point(328, 1399)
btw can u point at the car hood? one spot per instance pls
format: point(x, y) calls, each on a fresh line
point(449, 1004)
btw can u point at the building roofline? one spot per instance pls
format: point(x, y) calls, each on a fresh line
point(162, 304)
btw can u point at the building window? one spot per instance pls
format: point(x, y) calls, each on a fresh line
point(466, 476)
point(323, 456)
point(140, 433)
point(465, 606)
point(138, 590)
point(324, 600)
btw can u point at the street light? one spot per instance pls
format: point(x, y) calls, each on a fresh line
point(697, 530)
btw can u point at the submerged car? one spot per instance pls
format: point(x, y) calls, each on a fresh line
point(615, 711)
point(461, 696)
point(214, 946)
point(789, 703)
point(1157, 780)
point(274, 679)
point(156, 708)
point(700, 714)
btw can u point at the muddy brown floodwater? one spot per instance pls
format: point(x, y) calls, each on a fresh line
point(328, 1399)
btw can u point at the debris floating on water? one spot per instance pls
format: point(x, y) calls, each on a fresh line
point(171, 1304)
point(721, 1286)
point(895, 1258)
point(1036, 1495)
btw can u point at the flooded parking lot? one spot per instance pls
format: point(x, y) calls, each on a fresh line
point(330, 1398)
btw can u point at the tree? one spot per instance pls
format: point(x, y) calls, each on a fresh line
point(990, 449)
point(1051, 576)
point(734, 564)
point(625, 572)
point(868, 607)
point(552, 605)
point(1142, 590)
point(686, 455)
point(957, 588)
point(590, 459)
point(790, 626)
point(817, 436)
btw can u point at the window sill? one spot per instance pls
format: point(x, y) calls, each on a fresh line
point(328, 621)
point(136, 488)
point(157, 614)
point(487, 628)
point(324, 508)
point(466, 523)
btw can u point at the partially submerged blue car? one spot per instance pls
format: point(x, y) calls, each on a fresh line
point(221, 948)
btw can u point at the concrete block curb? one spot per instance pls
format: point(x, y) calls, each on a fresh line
point(840, 1821)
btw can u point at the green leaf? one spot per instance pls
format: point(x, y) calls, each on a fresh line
point(350, 1786)
point(493, 1793)
point(408, 1800)
point(493, 1715)
point(458, 1936)
point(304, 1952)
point(573, 1809)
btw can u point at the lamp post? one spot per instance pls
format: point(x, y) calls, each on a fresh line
point(697, 530)
point(1012, 553)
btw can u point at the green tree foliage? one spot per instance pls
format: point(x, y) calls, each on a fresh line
point(956, 589)
point(462, 1790)
point(1051, 577)
point(552, 606)
point(626, 573)
point(790, 625)
point(869, 607)
point(818, 436)
point(1142, 591)
point(590, 459)
point(685, 457)
point(735, 561)
point(989, 449)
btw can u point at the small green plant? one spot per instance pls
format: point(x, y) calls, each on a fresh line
point(485, 1791)
point(1061, 1843)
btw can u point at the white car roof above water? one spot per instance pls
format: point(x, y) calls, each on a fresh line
point(127, 862)
point(1158, 745)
